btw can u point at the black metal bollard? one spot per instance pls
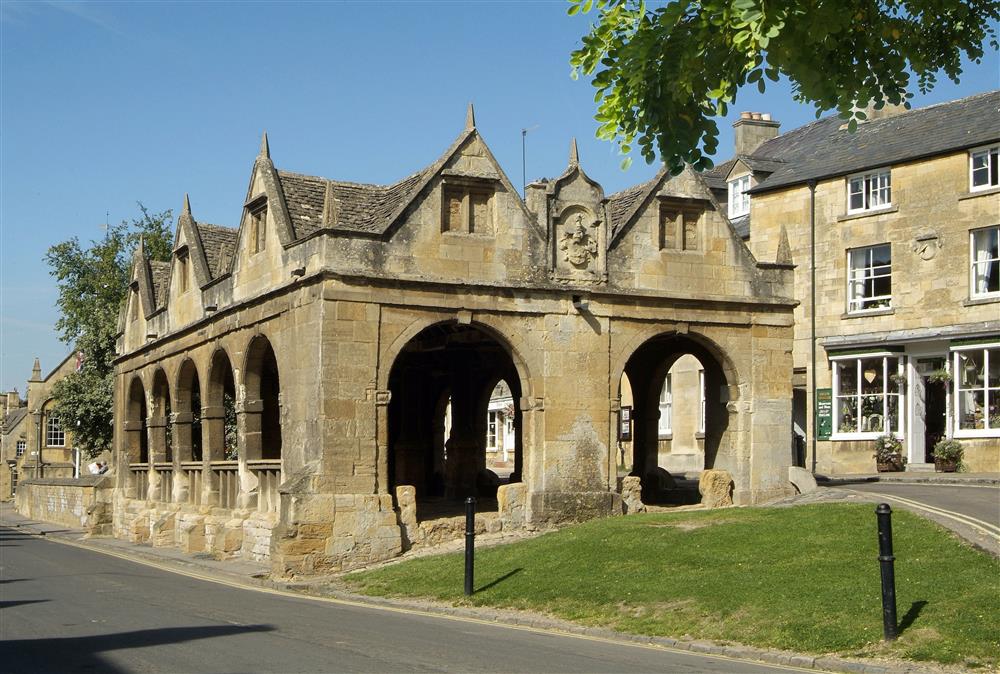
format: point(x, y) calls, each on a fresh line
point(883, 514)
point(470, 542)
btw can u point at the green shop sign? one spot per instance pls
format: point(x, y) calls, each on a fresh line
point(824, 413)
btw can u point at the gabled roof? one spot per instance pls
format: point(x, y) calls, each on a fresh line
point(160, 275)
point(218, 243)
point(622, 206)
point(823, 149)
point(13, 418)
point(358, 207)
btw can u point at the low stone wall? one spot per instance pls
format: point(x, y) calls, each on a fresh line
point(82, 503)
point(220, 532)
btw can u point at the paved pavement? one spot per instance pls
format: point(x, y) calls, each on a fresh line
point(70, 609)
point(971, 510)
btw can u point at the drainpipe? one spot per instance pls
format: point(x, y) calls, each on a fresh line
point(812, 311)
point(38, 442)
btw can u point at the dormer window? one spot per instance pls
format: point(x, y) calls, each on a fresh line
point(182, 270)
point(869, 191)
point(984, 167)
point(739, 200)
point(258, 228)
point(467, 207)
point(134, 303)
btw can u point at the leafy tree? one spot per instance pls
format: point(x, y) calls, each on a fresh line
point(663, 73)
point(93, 282)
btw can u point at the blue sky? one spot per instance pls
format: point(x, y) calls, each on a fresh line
point(106, 104)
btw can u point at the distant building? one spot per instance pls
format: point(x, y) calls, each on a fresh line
point(33, 440)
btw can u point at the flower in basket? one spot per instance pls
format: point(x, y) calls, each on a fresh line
point(949, 452)
point(888, 449)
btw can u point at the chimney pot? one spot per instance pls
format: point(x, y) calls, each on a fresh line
point(756, 116)
point(766, 116)
point(746, 115)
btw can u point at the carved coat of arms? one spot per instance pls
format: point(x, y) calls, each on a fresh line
point(579, 245)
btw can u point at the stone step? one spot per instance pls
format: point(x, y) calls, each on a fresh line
point(920, 468)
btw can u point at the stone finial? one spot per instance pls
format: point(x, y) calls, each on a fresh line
point(187, 205)
point(329, 206)
point(36, 371)
point(470, 118)
point(265, 149)
point(784, 255)
point(574, 154)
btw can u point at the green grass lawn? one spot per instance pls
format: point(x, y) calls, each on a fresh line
point(803, 578)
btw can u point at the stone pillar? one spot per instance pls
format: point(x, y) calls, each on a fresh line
point(248, 433)
point(466, 450)
point(157, 429)
point(382, 399)
point(213, 433)
point(181, 436)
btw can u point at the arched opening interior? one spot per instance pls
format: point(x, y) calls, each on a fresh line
point(187, 439)
point(675, 391)
point(262, 426)
point(218, 416)
point(137, 441)
point(444, 384)
point(159, 425)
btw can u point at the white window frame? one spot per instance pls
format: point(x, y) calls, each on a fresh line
point(19, 447)
point(55, 436)
point(988, 431)
point(739, 200)
point(870, 272)
point(664, 424)
point(975, 263)
point(875, 189)
point(992, 167)
point(701, 401)
point(491, 430)
point(858, 434)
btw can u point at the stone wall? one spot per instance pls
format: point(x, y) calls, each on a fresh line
point(83, 503)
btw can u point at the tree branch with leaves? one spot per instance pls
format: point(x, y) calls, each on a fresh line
point(663, 73)
point(93, 282)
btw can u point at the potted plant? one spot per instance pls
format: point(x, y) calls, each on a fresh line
point(948, 456)
point(889, 454)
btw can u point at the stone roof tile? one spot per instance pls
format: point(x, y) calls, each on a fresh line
point(219, 244)
point(358, 207)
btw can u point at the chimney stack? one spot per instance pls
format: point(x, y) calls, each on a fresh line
point(753, 129)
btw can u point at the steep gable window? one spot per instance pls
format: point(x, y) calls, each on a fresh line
point(54, 435)
point(869, 191)
point(984, 168)
point(134, 305)
point(182, 271)
point(739, 200)
point(467, 208)
point(258, 229)
point(869, 278)
point(985, 253)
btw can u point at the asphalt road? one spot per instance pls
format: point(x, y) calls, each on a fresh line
point(979, 501)
point(67, 609)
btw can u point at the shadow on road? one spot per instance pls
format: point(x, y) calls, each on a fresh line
point(82, 654)
point(21, 602)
